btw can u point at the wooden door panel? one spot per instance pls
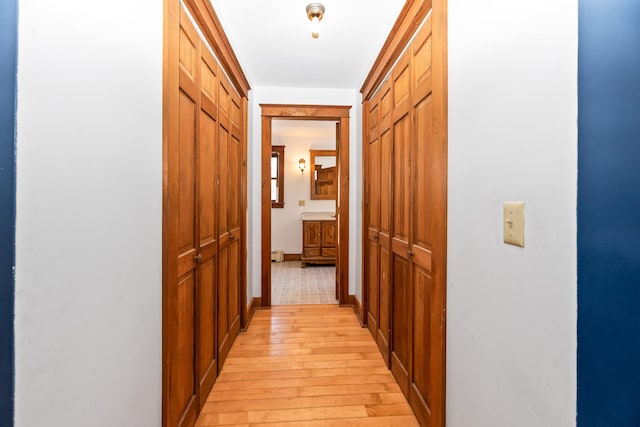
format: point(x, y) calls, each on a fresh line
point(421, 63)
point(223, 178)
point(234, 219)
point(427, 216)
point(183, 379)
point(423, 224)
point(423, 332)
point(206, 359)
point(401, 93)
point(401, 178)
point(374, 119)
point(374, 289)
point(385, 182)
point(187, 168)
point(206, 346)
point(401, 317)
point(234, 168)
point(384, 327)
point(374, 185)
point(208, 84)
point(202, 219)
point(223, 318)
point(207, 185)
point(233, 298)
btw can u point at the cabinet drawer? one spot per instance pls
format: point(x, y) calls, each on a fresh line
point(329, 252)
point(311, 252)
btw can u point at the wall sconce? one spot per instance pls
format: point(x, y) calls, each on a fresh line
point(315, 11)
point(302, 165)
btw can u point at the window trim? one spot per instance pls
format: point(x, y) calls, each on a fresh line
point(278, 151)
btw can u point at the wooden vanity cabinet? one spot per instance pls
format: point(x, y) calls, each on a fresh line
point(318, 242)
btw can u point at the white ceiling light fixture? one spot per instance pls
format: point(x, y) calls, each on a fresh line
point(315, 12)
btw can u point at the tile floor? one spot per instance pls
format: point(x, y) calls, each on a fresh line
point(292, 284)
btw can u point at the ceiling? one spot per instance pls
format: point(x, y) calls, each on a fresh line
point(272, 40)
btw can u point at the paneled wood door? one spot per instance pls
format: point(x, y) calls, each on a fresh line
point(207, 257)
point(193, 157)
point(378, 216)
point(199, 148)
point(428, 238)
point(410, 158)
point(229, 223)
point(401, 212)
point(372, 199)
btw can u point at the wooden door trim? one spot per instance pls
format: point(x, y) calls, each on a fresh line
point(306, 112)
point(170, 131)
point(410, 18)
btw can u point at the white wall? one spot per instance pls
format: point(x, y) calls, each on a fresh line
point(89, 203)
point(286, 223)
point(307, 96)
point(511, 312)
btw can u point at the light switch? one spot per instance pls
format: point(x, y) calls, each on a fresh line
point(300, 202)
point(514, 223)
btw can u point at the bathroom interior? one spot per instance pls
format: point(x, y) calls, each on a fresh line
point(304, 183)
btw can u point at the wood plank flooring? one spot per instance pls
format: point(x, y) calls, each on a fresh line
point(306, 365)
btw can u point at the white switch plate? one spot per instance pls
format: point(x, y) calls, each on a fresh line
point(513, 221)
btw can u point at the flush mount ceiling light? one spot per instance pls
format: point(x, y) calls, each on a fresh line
point(315, 11)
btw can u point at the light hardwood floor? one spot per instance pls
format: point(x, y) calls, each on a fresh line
point(306, 365)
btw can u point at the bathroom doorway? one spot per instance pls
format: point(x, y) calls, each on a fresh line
point(318, 229)
point(304, 184)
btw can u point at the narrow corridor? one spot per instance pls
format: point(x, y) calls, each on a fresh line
point(306, 365)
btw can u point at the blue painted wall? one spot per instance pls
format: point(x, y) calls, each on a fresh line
point(8, 49)
point(609, 213)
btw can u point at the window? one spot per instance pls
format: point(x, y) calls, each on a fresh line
point(277, 176)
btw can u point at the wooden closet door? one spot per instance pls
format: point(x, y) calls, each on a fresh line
point(373, 220)
point(384, 233)
point(401, 196)
point(207, 236)
point(234, 215)
point(428, 203)
point(182, 373)
point(224, 234)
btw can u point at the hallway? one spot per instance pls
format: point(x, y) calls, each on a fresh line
point(290, 368)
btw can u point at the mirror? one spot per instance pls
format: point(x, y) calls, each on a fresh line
point(323, 174)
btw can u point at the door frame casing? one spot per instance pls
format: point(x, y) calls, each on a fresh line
point(307, 112)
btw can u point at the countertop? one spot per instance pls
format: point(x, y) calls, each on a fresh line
point(318, 216)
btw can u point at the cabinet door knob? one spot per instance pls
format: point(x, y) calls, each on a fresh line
point(198, 258)
point(409, 253)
